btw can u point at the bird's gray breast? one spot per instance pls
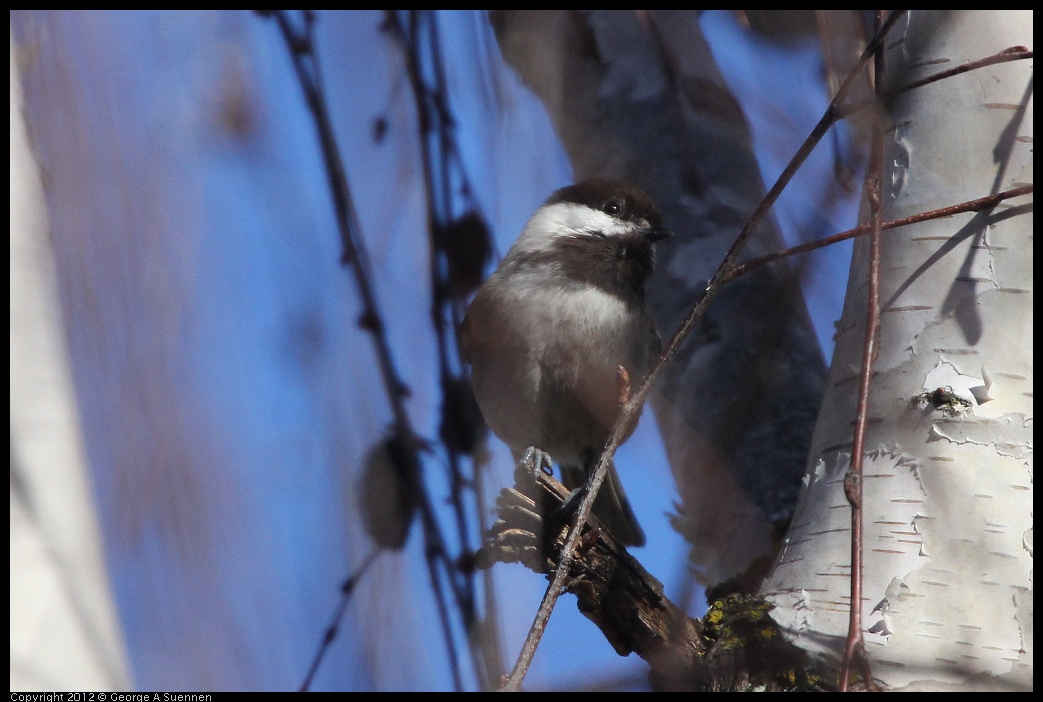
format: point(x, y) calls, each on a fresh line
point(553, 381)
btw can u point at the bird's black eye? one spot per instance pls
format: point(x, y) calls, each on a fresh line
point(613, 208)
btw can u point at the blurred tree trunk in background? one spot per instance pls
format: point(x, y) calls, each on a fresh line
point(65, 633)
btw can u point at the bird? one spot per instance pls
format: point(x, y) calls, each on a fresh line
point(548, 331)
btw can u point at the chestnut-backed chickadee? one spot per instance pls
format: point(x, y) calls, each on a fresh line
point(548, 331)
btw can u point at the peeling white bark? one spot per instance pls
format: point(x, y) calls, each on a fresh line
point(948, 486)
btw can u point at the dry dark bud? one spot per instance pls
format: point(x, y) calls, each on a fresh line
point(388, 498)
point(588, 540)
point(369, 321)
point(468, 247)
point(466, 563)
point(462, 426)
point(380, 129)
point(852, 484)
point(623, 384)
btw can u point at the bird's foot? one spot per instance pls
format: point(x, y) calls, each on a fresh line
point(571, 503)
point(534, 462)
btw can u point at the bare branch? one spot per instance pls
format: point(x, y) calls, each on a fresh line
point(1013, 53)
point(300, 43)
point(855, 645)
point(977, 205)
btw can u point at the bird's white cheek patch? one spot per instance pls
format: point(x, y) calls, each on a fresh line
point(579, 218)
point(567, 219)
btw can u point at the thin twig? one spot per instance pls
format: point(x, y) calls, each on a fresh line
point(438, 208)
point(854, 644)
point(300, 43)
point(977, 205)
point(439, 153)
point(1013, 53)
point(306, 63)
point(631, 410)
point(346, 590)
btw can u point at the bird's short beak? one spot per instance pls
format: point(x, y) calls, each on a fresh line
point(656, 234)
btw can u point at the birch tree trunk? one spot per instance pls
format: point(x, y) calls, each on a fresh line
point(948, 475)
